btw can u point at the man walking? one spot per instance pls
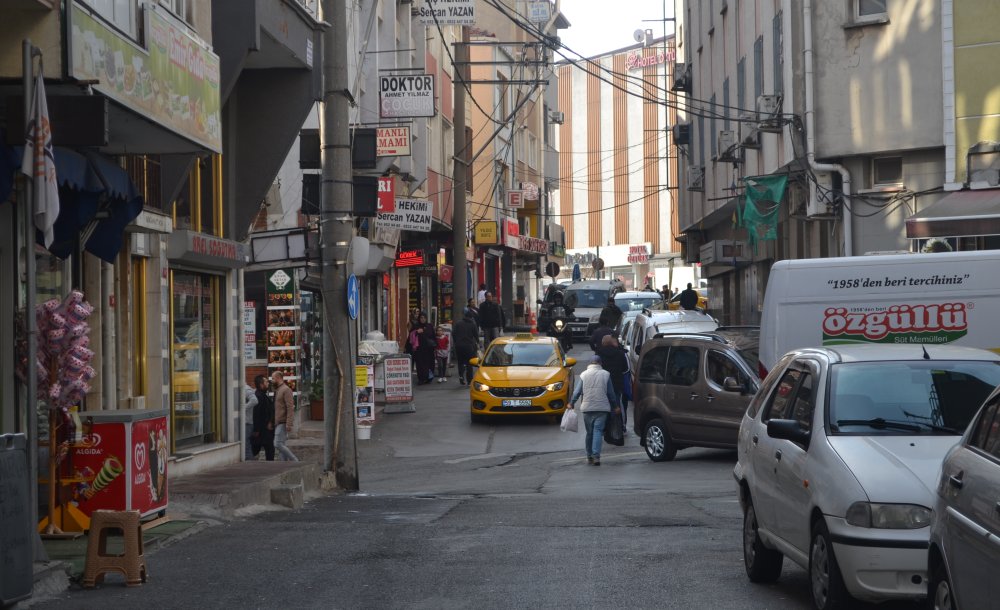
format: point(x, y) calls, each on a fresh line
point(597, 400)
point(284, 414)
point(466, 337)
point(491, 316)
point(689, 298)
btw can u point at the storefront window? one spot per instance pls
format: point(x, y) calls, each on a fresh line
point(194, 357)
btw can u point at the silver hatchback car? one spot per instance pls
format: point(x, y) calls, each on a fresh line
point(964, 559)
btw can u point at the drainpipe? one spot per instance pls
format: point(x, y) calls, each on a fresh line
point(810, 112)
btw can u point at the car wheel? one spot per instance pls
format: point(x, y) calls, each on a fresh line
point(824, 574)
point(657, 442)
point(941, 596)
point(762, 564)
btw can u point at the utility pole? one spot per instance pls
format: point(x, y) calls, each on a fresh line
point(461, 174)
point(340, 455)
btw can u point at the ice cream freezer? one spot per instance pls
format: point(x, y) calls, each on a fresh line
point(121, 463)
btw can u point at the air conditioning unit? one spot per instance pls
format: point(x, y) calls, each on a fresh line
point(681, 133)
point(728, 151)
point(821, 197)
point(749, 134)
point(556, 117)
point(769, 113)
point(682, 78)
point(696, 178)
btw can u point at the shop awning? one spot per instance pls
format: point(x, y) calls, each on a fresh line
point(97, 200)
point(962, 213)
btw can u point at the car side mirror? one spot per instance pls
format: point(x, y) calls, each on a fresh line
point(789, 430)
point(474, 361)
point(570, 362)
point(730, 384)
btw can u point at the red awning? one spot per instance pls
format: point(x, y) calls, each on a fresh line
point(960, 214)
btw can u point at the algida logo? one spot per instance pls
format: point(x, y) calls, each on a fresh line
point(942, 323)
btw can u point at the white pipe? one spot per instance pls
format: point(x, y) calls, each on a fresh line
point(810, 112)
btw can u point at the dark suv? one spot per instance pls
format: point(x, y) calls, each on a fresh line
point(691, 390)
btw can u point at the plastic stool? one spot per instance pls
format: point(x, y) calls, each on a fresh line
point(131, 563)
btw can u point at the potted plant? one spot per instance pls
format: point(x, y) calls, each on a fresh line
point(316, 401)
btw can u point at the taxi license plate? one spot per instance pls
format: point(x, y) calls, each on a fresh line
point(520, 402)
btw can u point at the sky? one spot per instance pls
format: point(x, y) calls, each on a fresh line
point(605, 25)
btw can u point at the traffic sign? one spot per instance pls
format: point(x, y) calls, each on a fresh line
point(353, 297)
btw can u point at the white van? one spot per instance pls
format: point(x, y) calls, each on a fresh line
point(920, 299)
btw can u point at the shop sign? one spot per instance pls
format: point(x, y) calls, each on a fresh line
point(447, 12)
point(515, 199)
point(392, 142)
point(486, 233)
point(638, 254)
point(206, 250)
point(511, 233)
point(636, 60)
point(410, 258)
point(533, 244)
point(398, 381)
point(409, 215)
point(386, 194)
point(250, 330)
point(406, 96)
point(174, 82)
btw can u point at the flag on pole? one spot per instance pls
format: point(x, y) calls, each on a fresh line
point(39, 164)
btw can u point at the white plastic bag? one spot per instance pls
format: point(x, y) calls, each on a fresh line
point(569, 419)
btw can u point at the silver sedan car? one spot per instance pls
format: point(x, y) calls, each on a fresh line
point(964, 559)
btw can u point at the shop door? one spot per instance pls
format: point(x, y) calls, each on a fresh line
point(194, 358)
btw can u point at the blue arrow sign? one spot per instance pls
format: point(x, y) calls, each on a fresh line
point(353, 297)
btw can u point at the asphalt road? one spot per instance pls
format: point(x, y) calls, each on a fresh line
point(459, 515)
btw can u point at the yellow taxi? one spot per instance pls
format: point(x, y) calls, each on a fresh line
point(521, 375)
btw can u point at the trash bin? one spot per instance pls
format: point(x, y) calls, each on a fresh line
point(16, 531)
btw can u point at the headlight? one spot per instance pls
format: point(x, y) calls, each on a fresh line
point(559, 325)
point(480, 387)
point(889, 516)
point(554, 387)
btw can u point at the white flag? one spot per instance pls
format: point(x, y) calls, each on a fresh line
point(39, 164)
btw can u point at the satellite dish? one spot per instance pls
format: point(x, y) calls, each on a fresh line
point(639, 35)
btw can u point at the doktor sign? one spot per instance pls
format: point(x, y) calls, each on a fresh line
point(406, 96)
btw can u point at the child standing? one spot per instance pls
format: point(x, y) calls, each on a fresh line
point(441, 354)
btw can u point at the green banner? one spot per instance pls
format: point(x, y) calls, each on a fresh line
point(173, 81)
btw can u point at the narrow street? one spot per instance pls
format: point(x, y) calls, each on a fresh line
point(453, 515)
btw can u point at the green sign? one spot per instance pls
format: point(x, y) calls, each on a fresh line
point(173, 80)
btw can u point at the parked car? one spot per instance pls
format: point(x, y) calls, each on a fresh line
point(588, 298)
point(650, 323)
point(838, 457)
point(691, 390)
point(964, 558)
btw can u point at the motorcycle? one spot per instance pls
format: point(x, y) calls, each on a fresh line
point(559, 327)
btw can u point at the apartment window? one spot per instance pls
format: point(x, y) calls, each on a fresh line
point(887, 171)
point(725, 103)
point(183, 9)
point(777, 41)
point(122, 14)
point(712, 133)
point(741, 85)
point(869, 9)
point(758, 68)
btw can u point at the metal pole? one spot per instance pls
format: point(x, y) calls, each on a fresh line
point(462, 173)
point(30, 323)
point(336, 231)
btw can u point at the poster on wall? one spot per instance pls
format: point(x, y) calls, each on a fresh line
point(283, 320)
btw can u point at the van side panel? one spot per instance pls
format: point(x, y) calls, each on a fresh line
point(920, 299)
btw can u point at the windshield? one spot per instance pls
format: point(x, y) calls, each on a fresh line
point(627, 304)
point(521, 354)
point(908, 397)
point(594, 297)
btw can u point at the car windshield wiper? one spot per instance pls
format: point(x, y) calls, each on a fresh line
point(879, 423)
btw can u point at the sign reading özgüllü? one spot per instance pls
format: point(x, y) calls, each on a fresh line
point(410, 215)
